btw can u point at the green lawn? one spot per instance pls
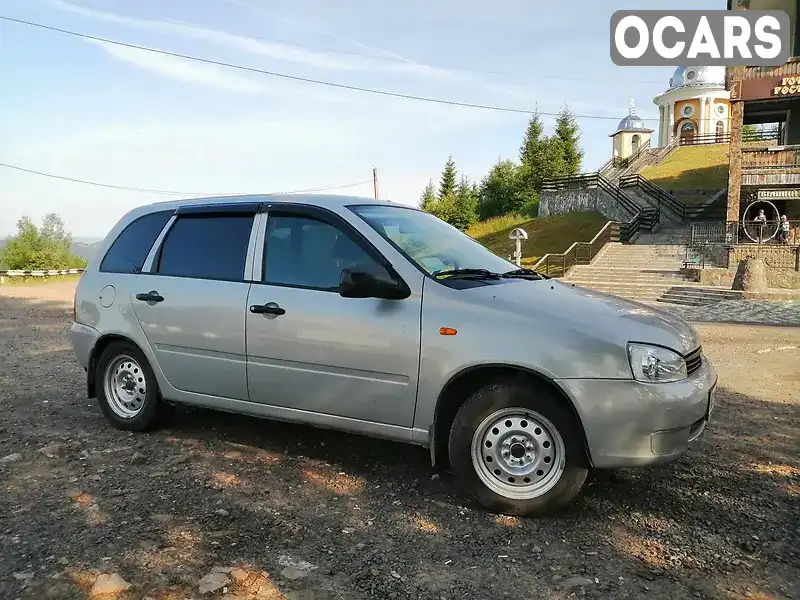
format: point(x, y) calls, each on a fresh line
point(545, 234)
point(702, 167)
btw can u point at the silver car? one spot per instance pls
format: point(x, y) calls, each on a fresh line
point(380, 319)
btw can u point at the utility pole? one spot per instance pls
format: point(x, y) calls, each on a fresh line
point(375, 181)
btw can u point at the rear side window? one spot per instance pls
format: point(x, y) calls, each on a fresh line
point(129, 251)
point(206, 247)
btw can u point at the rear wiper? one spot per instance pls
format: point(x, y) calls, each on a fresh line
point(467, 273)
point(525, 274)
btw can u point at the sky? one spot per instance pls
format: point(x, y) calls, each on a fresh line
point(117, 115)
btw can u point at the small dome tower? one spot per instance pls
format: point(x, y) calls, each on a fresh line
point(631, 135)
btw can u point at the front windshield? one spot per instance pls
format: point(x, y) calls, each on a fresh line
point(428, 241)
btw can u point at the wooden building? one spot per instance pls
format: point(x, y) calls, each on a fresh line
point(765, 173)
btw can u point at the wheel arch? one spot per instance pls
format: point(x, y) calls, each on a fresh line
point(99, 347)
point(461, 385)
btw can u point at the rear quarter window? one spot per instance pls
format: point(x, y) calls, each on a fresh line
point(129, 251)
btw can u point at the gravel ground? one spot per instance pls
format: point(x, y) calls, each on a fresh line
point(242, 508)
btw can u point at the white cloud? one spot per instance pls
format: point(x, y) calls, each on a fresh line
point(185, 70)
point(293, 54)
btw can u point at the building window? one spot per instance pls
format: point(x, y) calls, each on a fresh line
point(720, 131)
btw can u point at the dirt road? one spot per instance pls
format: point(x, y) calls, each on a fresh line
point(294, 513)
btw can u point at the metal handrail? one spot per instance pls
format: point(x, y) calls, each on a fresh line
point(591, 180)
point(40, 273)
point(557, 264)
point(657, 193)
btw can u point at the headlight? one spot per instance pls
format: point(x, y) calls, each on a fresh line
point(652, 364)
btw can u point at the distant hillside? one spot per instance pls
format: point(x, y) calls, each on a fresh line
point(86, 250)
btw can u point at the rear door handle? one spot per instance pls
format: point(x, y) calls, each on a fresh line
point(151, 296)
point(270, 308)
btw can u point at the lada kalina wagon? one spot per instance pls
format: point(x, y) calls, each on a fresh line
point(380, 319)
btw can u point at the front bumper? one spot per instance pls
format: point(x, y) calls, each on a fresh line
point(83, 339)
point(632, 424)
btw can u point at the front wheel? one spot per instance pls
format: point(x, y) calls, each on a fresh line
point(517, 449)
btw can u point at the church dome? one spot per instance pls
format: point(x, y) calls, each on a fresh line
point(697, 77)
point(632, 122)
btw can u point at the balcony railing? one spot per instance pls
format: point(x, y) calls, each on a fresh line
point(770, 158)
point(789, 69)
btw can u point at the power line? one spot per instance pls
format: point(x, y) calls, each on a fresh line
point(303, 79)
point(385, 58)
point(170, 192)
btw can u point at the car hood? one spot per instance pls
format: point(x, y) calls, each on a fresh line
point(602, 315)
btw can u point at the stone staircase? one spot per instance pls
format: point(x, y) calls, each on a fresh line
point(649, 270)
point(641, 271)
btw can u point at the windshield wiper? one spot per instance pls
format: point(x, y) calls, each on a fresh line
point(525, 274)
point(467, 273)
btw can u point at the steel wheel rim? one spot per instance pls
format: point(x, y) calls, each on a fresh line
point(125, 386)
point(518, 454)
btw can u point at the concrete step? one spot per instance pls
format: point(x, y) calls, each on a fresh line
point(628, 290)
point(707, 292)
point(622, 265)
point(698, 296)
point(625, 272)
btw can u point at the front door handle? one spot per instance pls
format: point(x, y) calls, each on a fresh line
point(270, 308)
point(151, 296)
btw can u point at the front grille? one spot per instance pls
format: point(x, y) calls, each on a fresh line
point(693, 361)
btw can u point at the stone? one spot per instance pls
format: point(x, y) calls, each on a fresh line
point(573, 582)
point(109, 584)
point(238, 575)
point(137, 458)
point(293, 573)
point(751, 276)
point(162, 518)
point(222, 512)
point(212, 582)
point(11, 458)
point(23, 576)
point(51, 450)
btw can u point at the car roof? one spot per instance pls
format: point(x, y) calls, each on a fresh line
point(323, 200)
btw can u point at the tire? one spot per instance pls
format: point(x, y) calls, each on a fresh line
point(540, 456)
point(134, 402)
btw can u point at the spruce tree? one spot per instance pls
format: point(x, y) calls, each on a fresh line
point(427, 201)
point(466, 205)
point(567, 136)
point(447, 184)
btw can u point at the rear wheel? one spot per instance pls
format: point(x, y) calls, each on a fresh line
point(128, 393)
point(517, 449)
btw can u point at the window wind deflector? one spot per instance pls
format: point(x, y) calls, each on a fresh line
point(525, 274)
point(466, 274)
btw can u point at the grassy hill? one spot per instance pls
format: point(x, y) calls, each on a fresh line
point(703, 167)
point(545, 234)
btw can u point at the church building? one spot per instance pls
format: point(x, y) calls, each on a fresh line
point(695, 107)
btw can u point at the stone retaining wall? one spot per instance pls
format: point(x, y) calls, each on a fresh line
point(559, 202)
point(784, 279)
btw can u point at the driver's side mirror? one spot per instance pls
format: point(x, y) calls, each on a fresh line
point(371, 281)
